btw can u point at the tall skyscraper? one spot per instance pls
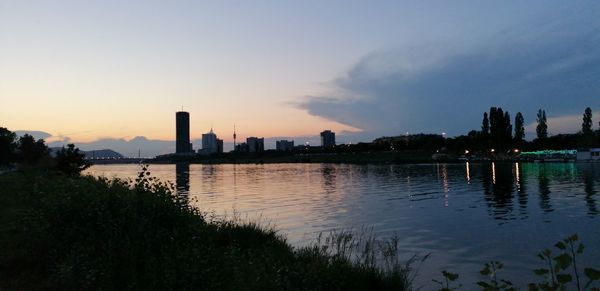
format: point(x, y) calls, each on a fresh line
point(328, 139)
point(182, 132)
point(234, 137)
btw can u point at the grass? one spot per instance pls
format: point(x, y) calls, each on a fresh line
point(60, 232)
point(84, 233)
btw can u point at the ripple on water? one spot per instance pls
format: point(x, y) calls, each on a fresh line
point(464, 218)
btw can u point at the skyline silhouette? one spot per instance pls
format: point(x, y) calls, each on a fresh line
point(404, 70)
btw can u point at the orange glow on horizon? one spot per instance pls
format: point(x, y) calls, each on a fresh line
point(164, 129)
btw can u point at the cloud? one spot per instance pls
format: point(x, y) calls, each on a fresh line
point(548, 63)
point(35, 133)
point(563, 124)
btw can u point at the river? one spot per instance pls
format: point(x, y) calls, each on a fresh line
point(463, 214)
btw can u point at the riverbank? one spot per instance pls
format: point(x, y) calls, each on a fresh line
point(59, 232)
point(396, 157)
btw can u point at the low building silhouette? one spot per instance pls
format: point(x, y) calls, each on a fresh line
point(255, 144)
point(241, 147)
point(219, 146)
point(328, 139)
point(284, 145)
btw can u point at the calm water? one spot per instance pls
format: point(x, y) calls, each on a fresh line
point(464, 214)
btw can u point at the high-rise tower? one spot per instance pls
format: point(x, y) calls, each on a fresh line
point(328, 139)
point(234, 137)
point(182, 127)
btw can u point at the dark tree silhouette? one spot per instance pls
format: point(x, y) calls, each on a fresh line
point(519, 127)
point(586, 126)
point(30, 150)
point(7, 146)
point(500, 127)
point(70, 161)
point(485, 126)
point(507, 127)
point(542, 126)
point(494, 123)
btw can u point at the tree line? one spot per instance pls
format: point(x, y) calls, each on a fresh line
point(498, 132)
point(26, 151)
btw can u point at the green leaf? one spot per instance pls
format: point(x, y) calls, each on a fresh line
point(564, 278)
point(541, 256)
point(563, 261)
point(580, 249)
point(592, 273)
point(484, 284)
point(541, 272)
point(573, 237)
point(533, 287)
point(560, 245)
point(546, 253)
point(450, 276)
point(485, 271)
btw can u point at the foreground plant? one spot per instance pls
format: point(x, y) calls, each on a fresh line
point(562, 268)
point(561, 273)
point(71, 232)
point(448, 279)
point(494, 284)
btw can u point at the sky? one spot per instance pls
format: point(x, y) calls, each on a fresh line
point(101, 73)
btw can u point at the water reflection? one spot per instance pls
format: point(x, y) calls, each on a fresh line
point(209, 177)
point(521, 184)
point(544, 190)
point(508, 191)
point(494, 172)
point(468, 172)
point(435, 207)
point(182, 179)
point(499, 193)
point(590, 192)
point(329, 178)
point(443, 174)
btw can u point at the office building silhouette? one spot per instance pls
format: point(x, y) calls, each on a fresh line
point(182, 133)
point(328, 139)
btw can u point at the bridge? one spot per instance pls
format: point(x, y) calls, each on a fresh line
point(114, 160)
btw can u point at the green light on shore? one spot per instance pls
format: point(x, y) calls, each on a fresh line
point(549, 153)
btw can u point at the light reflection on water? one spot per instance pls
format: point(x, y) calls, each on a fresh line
point(465, 214)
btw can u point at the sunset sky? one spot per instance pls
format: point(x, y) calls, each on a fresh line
point(85, 70)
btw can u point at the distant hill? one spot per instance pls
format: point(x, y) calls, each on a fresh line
point(128, 148)
point(98, 154)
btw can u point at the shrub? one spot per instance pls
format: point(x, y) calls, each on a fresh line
point(70, 161)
